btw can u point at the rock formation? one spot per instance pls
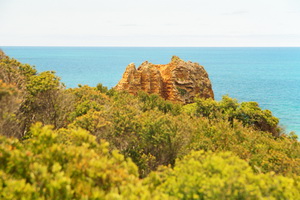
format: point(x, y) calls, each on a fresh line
point(178, 81)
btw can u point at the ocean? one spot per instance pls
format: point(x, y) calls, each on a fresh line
point(269, 76)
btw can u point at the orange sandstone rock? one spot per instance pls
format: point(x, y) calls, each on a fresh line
point(178, 81)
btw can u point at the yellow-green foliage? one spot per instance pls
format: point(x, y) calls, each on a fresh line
point(14, 72)
point(10, 100)
point(13, 77)
point(69, 160)
point(153, 101)
point(249, 113)
point(66, 164)
point(41, 96)
point(264, 152)
point(42, 82)
point(206, 175)
point(153, 136)
point(86, 99)
point(71, 164)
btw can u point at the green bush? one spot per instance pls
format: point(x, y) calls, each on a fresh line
point(153, 101)
point(66, 164)
point(249, 113)
point(70, 160)
point(206, 175)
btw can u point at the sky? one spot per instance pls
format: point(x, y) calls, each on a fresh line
point(190, 23)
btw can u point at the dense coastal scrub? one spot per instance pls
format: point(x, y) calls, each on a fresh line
point(95, 143)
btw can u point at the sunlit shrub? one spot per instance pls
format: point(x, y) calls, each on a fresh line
point(249, 113)
point(66, 164)
point(206, 175)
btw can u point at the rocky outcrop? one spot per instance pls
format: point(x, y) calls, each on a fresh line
point(177, 81)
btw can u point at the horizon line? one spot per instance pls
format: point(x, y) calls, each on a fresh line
point(152, 46)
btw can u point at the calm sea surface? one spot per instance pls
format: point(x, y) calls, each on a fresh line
point(270, 76)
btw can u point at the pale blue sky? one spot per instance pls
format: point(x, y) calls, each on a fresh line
point(150, 22)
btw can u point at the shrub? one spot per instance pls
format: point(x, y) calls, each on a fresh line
point(66, 164)
point(206, 175)
point(249, 113)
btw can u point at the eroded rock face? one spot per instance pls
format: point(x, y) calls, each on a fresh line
point(177, 81)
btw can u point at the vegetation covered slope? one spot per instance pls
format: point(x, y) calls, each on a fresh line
point(54, 144)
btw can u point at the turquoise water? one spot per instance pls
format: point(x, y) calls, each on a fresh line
point(270, 76)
